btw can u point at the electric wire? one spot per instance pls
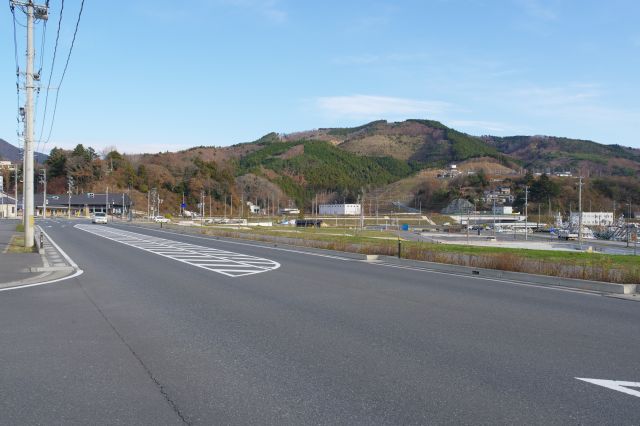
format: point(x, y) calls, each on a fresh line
point(42, 44)
point(64, 71)
point(15, 51)
point(53, 62)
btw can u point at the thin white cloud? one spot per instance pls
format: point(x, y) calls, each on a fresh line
point(587, 106)
point(375, 107)
point(270, 9)
point(539, 9)
point(368, 59)
point(571, 95)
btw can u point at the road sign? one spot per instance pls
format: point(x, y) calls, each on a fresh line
point(183, 205)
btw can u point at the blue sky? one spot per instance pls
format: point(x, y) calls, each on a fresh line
point(149, 76)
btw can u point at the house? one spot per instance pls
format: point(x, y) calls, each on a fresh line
point(503, 210)
point(8, 206)
point(501, 195)
point(82, 204)
point(253, 208)
point(451, 172)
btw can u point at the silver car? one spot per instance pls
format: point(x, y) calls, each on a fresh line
point(99, 218)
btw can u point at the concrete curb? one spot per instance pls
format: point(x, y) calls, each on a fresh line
point(47, 273)
point(597, 286)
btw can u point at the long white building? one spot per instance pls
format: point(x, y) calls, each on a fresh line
point(592, 218)
point(339, 209)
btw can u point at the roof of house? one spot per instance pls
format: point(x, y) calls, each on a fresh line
point(86, 199)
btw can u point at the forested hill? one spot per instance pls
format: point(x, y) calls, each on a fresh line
point(337, 163)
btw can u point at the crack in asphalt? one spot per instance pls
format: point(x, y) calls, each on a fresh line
point(160, 386)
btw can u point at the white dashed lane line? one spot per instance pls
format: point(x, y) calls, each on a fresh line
point(221, 261)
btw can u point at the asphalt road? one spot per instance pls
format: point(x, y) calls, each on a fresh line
point(155, 332)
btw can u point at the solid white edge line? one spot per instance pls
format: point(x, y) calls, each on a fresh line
point(19, 287)
point(67, 258)
point(388, 265)
point(62, 252)
point(497, 280)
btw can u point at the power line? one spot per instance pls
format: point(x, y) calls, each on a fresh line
point(15, 51)
point(53, 62)
point(64, 71)
point(39, 78)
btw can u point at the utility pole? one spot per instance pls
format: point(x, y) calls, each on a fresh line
point(580, 213)
point(362, 213)
point(16, 190)
point(33, 12)
point(69, 192)
point(202, 207)
point(106, 204)
point(526, 212)
point(494, 218)
point(44, 197)
point(628, 218)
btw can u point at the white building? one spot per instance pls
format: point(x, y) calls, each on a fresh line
point(340, 209)
point(592, 218)
point(253, 208)
point(503, 210)
point(7, 206)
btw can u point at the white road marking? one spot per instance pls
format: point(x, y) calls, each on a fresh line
point(615, 385)
point(221, 261)
point(67, 258)
point(387, 265)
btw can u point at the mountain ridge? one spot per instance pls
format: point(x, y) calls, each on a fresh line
point(14, 154)
point(336, 164)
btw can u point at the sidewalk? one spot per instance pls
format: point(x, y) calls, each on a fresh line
point(15, 266)
point(17, 269)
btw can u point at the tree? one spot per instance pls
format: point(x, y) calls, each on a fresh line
point(543, 189)
point(57, 162)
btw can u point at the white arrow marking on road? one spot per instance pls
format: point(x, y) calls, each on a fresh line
point(616, 385)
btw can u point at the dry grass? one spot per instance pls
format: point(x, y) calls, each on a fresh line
point(597, 267)
point(16, 245)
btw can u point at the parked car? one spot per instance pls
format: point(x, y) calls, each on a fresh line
point(99, 217)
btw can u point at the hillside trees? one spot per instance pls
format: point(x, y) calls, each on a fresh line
point(543, 189)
